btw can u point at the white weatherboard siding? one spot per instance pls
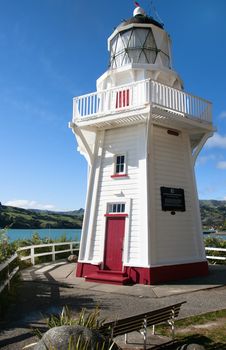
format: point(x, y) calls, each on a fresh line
point(128, 141)
point(175, 238)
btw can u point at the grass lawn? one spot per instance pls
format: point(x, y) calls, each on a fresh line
point(208, 330)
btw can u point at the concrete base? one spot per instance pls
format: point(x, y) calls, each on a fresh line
point(152, 275)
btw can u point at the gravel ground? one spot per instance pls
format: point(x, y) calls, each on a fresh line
point(37, 299)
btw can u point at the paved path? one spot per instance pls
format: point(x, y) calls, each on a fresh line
point(46, 288)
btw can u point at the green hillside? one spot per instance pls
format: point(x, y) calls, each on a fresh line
point(34, 219)
point(213, 213)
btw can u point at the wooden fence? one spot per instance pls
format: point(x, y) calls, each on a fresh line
point(9, 273)
point(5, 266)
point(73, 246)
point(216, 257)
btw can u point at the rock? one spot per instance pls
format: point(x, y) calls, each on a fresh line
point(59, 338)
point(195, 347)
point(191, 347)
point(72, 258)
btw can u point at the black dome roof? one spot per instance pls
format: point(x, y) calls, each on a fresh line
point(142, 19)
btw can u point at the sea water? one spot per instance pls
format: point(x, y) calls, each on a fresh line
point(71, 234)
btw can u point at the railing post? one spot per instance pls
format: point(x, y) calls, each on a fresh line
point(8, 276)
point(75, 108)
point(53, 253)
point(33, 255)
point(71, 248)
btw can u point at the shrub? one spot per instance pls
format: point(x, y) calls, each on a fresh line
point(6, 249)
point(215, 243)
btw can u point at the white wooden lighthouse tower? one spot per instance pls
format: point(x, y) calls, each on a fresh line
point(140, 134)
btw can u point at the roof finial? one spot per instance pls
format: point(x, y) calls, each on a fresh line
point(138, 10)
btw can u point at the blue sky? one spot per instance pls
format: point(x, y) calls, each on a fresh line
point(52, 50)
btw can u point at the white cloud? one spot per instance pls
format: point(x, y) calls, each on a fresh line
point(29, 204)
point(216, 141)
point(204, 159)
point(221, 164)
point(222, 115)
point(206, 192)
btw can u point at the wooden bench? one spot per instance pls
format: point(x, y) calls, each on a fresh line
point(141, 322)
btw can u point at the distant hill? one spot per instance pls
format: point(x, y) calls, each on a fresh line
point(34, 219)
point(213, 213)
point(79, 212)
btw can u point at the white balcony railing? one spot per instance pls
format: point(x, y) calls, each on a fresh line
point(138, 95)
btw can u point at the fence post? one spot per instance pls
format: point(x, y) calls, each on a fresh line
point(71, 245)
point(53, 253)
point(33, 255)
point(8, 276)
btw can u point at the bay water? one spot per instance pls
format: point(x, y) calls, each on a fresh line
point(71, 234)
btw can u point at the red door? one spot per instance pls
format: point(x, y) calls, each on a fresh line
point(115, 228)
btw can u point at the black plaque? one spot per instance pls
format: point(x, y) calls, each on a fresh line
point(172, 199)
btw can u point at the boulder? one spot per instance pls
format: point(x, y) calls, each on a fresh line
point(59, 338)
point(195, 347)
point(72, 258)
point(191, 347)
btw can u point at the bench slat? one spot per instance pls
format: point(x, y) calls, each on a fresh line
point(148, 315)
point(136, 322)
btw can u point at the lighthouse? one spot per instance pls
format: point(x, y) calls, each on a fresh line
point(141, 133)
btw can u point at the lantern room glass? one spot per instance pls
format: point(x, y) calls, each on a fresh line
point(135, 45)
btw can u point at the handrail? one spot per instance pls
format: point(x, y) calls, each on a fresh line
point(223, 258)
point(73, 247)
point(10, 275)
point(139, 94)
point(32, 255)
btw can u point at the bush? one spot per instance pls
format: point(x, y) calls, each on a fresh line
point(6, 249)
point(216, 243)
point(86, 319)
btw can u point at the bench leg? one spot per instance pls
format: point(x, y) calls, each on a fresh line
point(153, 329)
point(172, 324)
point(145, 333)
point(173, 330)
point(126, 338)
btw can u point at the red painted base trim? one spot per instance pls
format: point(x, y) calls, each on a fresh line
point(152, 275)
point(161, 274)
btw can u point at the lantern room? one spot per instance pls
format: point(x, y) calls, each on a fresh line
point(134, 42)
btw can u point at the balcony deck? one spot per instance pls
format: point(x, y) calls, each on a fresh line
point(132, 103)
